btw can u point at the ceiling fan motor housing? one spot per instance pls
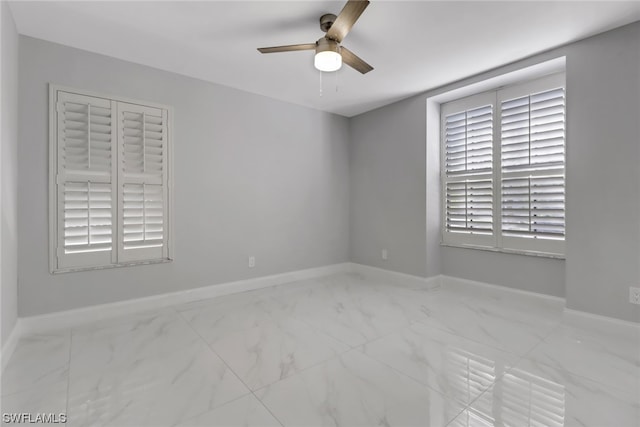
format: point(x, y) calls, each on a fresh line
point(324, 44)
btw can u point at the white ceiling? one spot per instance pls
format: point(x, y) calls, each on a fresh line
point(413, 45)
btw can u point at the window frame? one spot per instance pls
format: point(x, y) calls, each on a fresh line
point(497, 242)
point(53, 212)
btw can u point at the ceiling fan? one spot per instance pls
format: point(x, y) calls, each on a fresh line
point(329, 53)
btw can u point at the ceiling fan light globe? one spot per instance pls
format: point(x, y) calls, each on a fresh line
point(328, 61)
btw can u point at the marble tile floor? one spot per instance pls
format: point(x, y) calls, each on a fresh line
point(336, 351)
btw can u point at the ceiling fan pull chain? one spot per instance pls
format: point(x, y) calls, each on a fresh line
point(320, 82)
point(337, 81)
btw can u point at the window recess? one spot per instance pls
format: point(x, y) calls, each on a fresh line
point(503, 168)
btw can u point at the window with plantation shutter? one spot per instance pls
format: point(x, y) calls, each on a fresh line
point(109, 181)
point(503, 168)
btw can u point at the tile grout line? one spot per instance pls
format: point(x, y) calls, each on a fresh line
point(335, 356)
point(251, 392)
point(446, 397)
point(275, 321)
point(505, 372)
point(69, 373)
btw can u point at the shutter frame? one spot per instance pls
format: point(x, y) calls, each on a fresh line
point(531, 237)
point(100, 175)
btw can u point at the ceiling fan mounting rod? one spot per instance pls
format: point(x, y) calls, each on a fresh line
point(326, 21)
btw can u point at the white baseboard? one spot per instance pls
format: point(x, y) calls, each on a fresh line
point(599, 321)
point(603, 323)
point(9, 347)
point(71, 318)
point(456, 282)
point(375, 273)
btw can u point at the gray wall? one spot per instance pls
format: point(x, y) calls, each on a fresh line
point(252, 176)
point(528, 273)
point(8, 174)
point(603, 173)
point(603, 201)
point(387, 165)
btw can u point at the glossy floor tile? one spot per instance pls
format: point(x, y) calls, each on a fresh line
point(245, 411)
point(532, 394)
point(455, 366)
point(336, 351)
point(355, 390)
point(273, 351)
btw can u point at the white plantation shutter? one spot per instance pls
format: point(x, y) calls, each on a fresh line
point(85, 190)
point(467, 132)
point(503, 170)
point(142, 182)
point(109, 181)
point(533, 206)
point(533, 162)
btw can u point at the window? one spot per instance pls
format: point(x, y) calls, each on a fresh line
point(503, 168)
point(109, 191)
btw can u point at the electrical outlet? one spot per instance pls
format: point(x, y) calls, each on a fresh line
point(634, 295)
point(252, 261)
point(385, 254)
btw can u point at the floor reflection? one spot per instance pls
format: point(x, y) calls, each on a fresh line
point(519, 399)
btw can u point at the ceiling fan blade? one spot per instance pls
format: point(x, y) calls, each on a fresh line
point(352, 60)
point(288, 48)
point(348, 16)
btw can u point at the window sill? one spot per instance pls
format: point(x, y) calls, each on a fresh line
point(104, 267)
point(506, 251)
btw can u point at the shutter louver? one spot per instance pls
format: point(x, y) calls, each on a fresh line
point(143, 182)
point(469, 141)
point(84, 186)
point(86, 131)
point(470, 206)
point(533, 206)
point(533, 131)
point(143, 144)
point(88, 225)
point(143, 216)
